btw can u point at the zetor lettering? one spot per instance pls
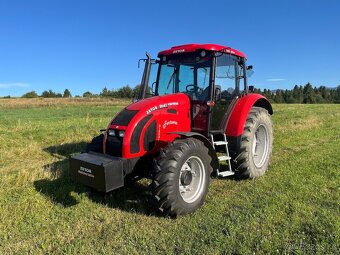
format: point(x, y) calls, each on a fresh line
point(197, 113)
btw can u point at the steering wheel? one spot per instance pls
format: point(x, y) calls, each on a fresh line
point(192, 89)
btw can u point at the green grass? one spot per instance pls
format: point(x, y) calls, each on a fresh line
point(293, 209)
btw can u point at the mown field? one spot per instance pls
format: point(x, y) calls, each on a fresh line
point(293, 209)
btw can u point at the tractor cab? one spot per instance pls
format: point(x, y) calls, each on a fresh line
point(211, 75)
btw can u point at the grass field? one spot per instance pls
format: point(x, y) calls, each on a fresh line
point(293, 209)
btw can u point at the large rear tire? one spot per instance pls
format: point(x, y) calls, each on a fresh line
point(256, 145)
point(182, 176)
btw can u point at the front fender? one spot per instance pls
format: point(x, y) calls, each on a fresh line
point(215, 163)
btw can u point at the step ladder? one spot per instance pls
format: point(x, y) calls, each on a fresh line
point(219, 140)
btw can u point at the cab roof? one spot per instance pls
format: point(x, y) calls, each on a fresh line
point(194, 47)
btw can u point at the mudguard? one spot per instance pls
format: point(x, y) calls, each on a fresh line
point(240, 111)
point(207, 143)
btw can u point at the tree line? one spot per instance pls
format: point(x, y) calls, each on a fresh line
point(306, 94)
point(47, 94)
point(123, 92)
point(303, 95)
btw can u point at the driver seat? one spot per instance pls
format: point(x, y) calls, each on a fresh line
point(205, 94)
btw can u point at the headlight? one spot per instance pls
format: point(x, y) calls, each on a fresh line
point(121, 133)
point(112, 132)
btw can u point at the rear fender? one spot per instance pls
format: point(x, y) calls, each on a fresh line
point(238, 116)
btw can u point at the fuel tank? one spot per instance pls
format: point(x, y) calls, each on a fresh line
point(145, 126)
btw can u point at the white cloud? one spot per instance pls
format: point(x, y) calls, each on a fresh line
point(276, 79)
point(13, 85)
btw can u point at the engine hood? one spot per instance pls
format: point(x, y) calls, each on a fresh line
point(149, 123)
point(152, 104)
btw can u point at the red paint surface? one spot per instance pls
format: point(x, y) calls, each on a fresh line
point(194, 47)
point(165, 122)
point(240, 112)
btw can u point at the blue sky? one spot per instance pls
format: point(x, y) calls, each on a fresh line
point(87, 45)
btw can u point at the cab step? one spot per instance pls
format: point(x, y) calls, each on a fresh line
point(220, 143)
point(225, 173)
point(219, 138)
point(222, 158)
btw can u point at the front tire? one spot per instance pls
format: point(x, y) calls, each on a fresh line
point(256, 144)
point(182, 177)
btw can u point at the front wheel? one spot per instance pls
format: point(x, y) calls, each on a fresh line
point(256, 144)
point(182, 177)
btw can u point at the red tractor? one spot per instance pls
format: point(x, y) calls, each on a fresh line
point(194, 119)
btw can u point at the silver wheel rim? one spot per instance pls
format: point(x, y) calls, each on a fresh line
point(260, 146)
point(193, 167)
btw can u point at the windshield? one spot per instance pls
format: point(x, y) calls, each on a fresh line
point(187, 73)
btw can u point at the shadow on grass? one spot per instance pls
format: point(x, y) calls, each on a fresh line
point(66, 149)
point(134, 197)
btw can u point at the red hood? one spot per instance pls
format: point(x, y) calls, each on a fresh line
point(160, 114)
point(159, 102)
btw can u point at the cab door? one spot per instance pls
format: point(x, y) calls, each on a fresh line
point(199, 108)
point(226, 88)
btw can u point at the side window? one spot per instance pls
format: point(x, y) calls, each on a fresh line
point(225, 75)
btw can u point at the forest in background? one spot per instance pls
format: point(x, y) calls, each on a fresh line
point(307, 94)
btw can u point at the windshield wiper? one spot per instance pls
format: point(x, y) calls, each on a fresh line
point(171, 78)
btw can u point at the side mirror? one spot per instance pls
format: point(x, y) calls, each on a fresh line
point(217, 94)
point(153, 88)
point(249, 71)
point(251, 88)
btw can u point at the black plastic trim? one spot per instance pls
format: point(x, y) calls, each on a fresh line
point(150, 137)
point(134, 143)
point(124, 117)
point(100, 171)
point(172, 111)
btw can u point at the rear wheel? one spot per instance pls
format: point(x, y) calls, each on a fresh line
point(182, 177)
point(256, 144)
